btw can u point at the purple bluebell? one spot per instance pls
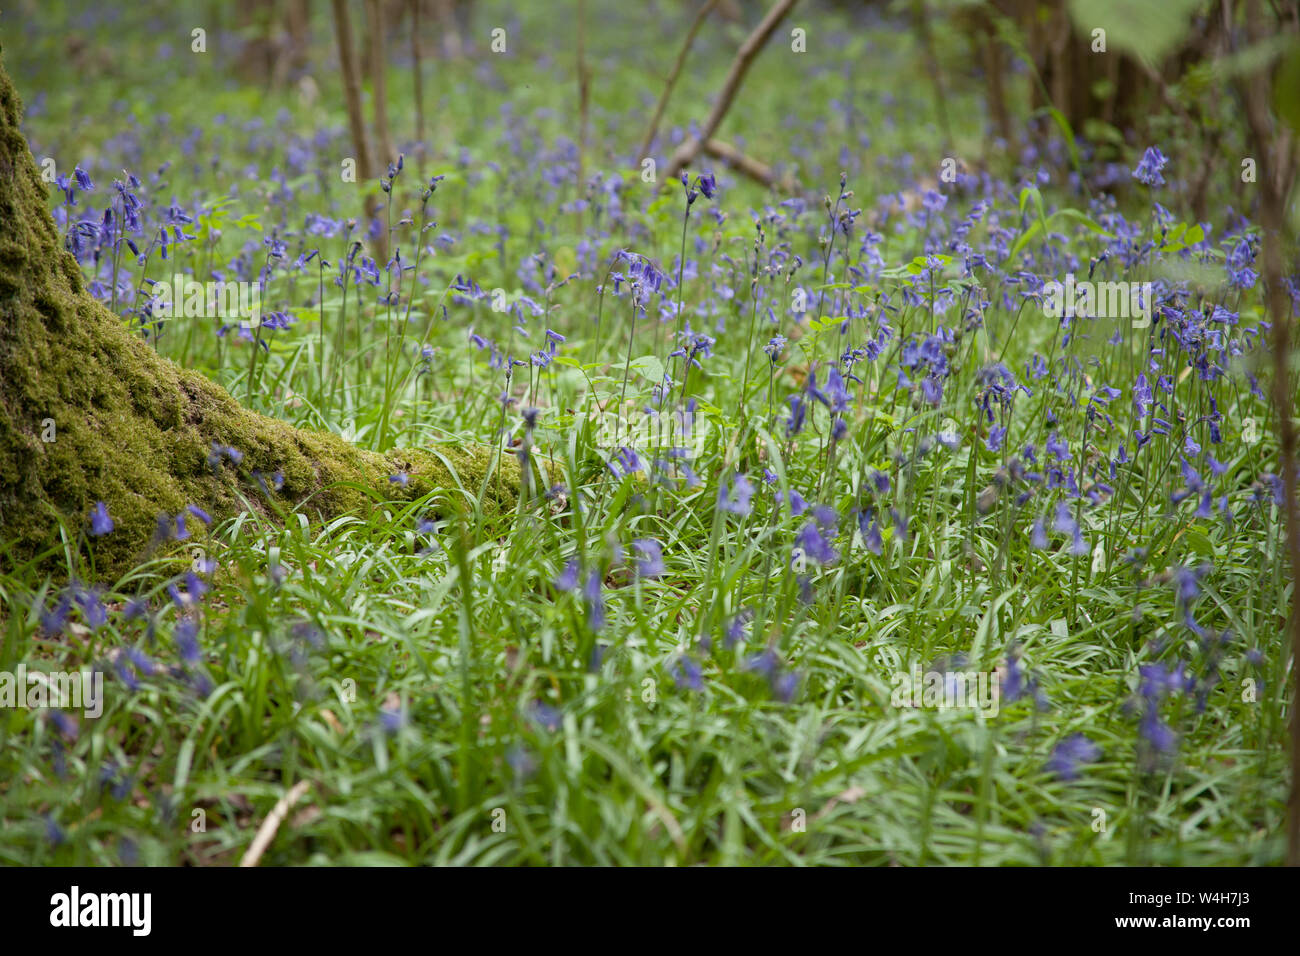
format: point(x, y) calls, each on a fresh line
point(100, 522)
point(545, 716)
point(591, 593)
point(686, 672)
point(1150, 166)
point(735, 497)
point(812, 544)
point(568, 579)
point(1069, 754)
point(650, 560)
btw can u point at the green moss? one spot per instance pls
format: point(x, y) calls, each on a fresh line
point(134, 430)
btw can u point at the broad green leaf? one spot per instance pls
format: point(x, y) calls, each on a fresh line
point(648, 367)
point(1150, 30)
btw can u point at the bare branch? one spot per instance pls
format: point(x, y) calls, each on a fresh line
point(735, 76)
point(755, 169)
point(266, 832)
point(653, 128)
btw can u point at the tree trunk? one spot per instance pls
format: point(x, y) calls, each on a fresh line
point(297, 19)
point(351, 71)
point(417, 72)
point(378, 35)
point(89, 412)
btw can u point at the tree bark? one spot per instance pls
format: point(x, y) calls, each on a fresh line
point(89, 412)
point(417, 71)
point(297, 19)
point(379, 80)
point(584, 94)
point(1275, 150)
point(351, 71)
point(452, 47)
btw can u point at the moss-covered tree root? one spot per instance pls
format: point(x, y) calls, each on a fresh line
point(89, 412)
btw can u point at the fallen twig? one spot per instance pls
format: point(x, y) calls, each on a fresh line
point(266, 832)
point(753, 168)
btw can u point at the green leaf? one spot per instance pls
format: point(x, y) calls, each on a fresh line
point(1067, 132)
point(1044, 225)
point(1181, 235)
point(648, 367)
point(1150, 31)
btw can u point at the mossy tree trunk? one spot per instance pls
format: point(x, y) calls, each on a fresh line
point(89, 412)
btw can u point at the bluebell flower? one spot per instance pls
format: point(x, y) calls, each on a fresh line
point(626, 462)
point(736, 629)
point(545, 716)
point(797, 503)
point(813, 545)
point(92, 609)
point(140, 660)
point(1158, 735)
point(187, 642)
point(650, 564)
point(391, 719)
point(798, 415)
point(100, 522)
point(137, 608)
point(765, 662)
point(686, 672)
point(869, 525)
point(568, 579)
point(785, 686)
point(1186, 582)
point(834, 396)
point(736, 497)
point(1069, 753)
point(901, 523)
point(1149, 167)
point(64, 724)
point(1014, 684)
point(591, 593)
point(521, 762)
point(1065, 523)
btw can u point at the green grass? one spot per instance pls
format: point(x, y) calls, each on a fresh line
point(437, 690)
